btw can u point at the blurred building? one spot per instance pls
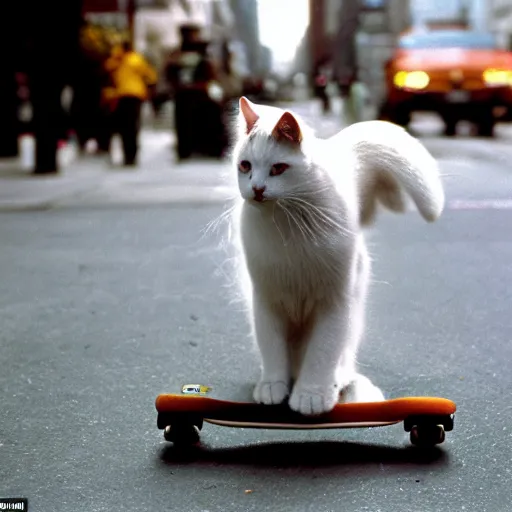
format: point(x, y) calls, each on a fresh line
point(345, 53)
point(380, 24)
point(354, 38)
point(247, 30)
point(302, 60)
point(316, 48)
point(266, 60)
point(319, 39)
point(111, 13)
point(162, 20)
point(424, 11)
point(473, 13)
point(478, 14)
point(335, 23)
point(500, 21)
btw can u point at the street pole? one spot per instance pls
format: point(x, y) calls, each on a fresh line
point(130, 11)
point(316, 34)
point(345, 65)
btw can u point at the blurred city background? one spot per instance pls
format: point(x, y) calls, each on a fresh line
point(65, 89)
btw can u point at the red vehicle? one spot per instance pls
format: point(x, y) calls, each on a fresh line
point(460, 74)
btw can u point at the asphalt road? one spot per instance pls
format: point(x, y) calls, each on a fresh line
point(102, 308)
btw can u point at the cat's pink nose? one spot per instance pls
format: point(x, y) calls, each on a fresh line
point(258, 192)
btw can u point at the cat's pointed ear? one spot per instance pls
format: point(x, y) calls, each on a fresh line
point(287, 129)
point(249, 114)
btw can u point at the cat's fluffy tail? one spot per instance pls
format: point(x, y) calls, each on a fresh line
point(390, 162)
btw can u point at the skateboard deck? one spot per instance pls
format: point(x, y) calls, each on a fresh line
point(427, 418)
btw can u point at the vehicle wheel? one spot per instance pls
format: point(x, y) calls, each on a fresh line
point(427, 435)
point(486, 127)
point(383, 113)
point(450, 128)
point(397, 115)
point(450, 124)
point(182, 434)
point(401, 116)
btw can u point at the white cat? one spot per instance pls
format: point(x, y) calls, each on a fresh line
point(305, 201)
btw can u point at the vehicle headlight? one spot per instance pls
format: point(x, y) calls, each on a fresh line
point(497, 77)
point(215, 91)
point(411, 79)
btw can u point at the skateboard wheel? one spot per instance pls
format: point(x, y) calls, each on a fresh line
point(427, 435)
point(182, 434)
point(164, 419)
point(446, 421)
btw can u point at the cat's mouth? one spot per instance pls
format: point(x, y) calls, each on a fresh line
point(259, 199)
point(258, 195)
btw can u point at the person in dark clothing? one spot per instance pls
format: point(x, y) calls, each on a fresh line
point(321, 83)
point(127, 124)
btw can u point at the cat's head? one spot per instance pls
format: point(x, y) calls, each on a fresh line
point(269, 157)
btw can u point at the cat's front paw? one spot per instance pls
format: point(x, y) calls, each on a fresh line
point(314, 400)
point(271, 392)
point(361, 389)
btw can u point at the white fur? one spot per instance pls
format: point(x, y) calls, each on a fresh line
point(306, 255)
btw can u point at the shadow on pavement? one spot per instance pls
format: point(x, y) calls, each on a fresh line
point(307, 454)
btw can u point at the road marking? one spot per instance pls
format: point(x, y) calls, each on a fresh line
point(480, 204)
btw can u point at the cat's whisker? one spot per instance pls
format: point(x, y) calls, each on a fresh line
point(309, 223)
point(303, 214)
point(307, 186)
point(320, 213)
point(302, 227)
point(213, 225)
point(327, 218)
point(376, 281)
point(277, 224)
point(281, 206)
point(311, 216)
point(291, 217)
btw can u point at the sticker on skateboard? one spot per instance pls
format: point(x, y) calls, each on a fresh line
point(181, 416)
point(195, 389)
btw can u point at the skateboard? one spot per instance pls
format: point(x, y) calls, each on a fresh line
point(181, 416)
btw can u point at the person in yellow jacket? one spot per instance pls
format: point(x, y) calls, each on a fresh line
point(131, 77)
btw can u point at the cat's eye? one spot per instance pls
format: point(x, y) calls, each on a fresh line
point(278, 169)
point(245, 166)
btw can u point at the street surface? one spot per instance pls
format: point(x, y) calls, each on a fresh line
point(115, 294)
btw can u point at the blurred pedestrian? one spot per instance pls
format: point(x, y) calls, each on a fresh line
point(321, 83)
point(132, 79)
point(354, 94)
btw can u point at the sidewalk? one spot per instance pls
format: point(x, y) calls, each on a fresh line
point(161, 180)
point(93, 181)
point(20, 190)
